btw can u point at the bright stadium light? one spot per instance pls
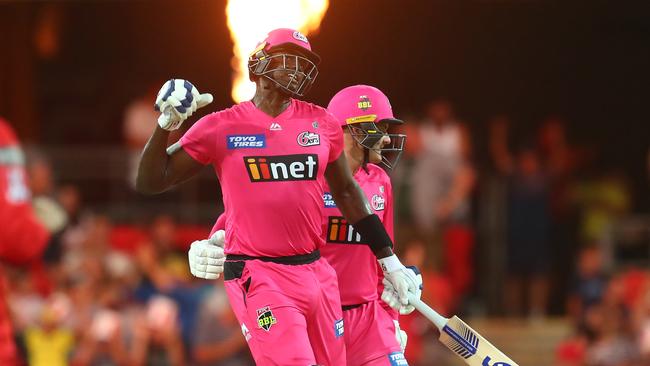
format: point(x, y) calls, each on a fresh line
point(250, 20)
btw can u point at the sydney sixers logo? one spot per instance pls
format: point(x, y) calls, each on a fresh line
point(378, 202)
point(299, 36)
point(308, 139)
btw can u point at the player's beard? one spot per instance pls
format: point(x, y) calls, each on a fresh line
point(289, 82)
point(275, 87)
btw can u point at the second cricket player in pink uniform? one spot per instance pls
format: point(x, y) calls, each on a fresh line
point(365, 114)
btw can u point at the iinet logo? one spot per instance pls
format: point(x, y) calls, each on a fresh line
point(339, 231)
point(281, 167)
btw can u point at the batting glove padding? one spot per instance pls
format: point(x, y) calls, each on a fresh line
point(177, 100)
point(402, 337)
point(391, 296)
point(402, 281)
point(206, 257)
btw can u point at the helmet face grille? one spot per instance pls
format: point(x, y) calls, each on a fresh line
point(293, 73)
point(367, 134)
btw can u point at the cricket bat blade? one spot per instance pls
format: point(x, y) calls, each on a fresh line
point(464, 341)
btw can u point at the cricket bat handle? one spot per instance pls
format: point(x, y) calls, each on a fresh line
point(428, 313)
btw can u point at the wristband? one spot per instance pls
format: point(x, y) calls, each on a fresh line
point(373, 233)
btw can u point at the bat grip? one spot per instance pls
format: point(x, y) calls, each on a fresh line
point(428, 313)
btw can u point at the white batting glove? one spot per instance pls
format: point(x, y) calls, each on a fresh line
point(402, 337)
point(206, 257)
point(176, 101)
point(391, 295)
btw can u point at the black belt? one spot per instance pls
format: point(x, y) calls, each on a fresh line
point(350, 307)
point(293, 260)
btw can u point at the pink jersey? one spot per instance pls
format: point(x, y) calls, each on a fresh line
point(356, 266)
point(270, 170)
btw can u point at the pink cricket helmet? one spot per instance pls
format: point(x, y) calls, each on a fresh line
point(361, 103)
point(303, 59)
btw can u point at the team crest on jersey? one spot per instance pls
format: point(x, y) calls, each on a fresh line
point(265, 318)
point(377, 202)
point(338, 328)
point(328, 200)
point(339, 231)
point(314, 124)
point(364, 103)
point(246, 141)
point(308, 139)
point(281, 167)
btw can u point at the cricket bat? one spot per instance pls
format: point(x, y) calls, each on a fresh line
point(464, 341)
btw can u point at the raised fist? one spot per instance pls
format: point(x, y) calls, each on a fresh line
point(177, 100)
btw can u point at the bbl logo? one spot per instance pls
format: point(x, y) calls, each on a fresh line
point(377, 202)
point(308, 139)
point(265, 318)
point(341, 232)
point(281, 167)
point(364, 103)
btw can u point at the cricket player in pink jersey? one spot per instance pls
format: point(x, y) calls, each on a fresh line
point(270, 155)
point(372, 334)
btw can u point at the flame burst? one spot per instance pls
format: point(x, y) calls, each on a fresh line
point(250, 20)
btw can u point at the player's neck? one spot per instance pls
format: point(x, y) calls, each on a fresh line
point(271, 102)
point(354, 161)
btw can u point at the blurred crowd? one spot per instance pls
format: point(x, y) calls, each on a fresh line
point(530, 213)
point(115, 294)
point(531, 217)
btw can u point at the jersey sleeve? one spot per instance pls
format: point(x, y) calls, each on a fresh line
point(199, 140)
point(389, 210)
point(220, 224)
point(335, 138)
